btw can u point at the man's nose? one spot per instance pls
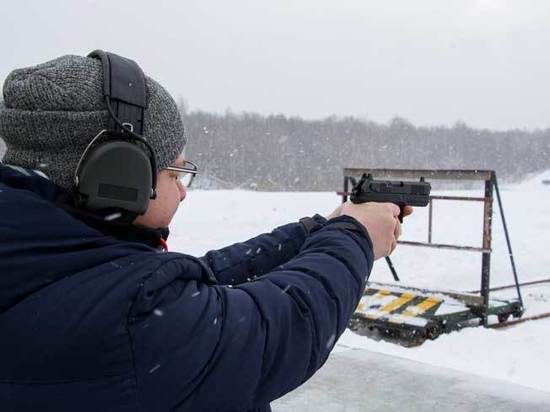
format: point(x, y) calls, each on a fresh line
point(183, 191)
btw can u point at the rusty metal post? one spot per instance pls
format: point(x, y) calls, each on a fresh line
point(486, 257)
point(430, 221)
point(346, 189)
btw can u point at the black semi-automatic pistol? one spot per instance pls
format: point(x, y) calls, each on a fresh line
point(390, 191)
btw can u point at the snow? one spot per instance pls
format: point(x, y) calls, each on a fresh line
point(213, 219)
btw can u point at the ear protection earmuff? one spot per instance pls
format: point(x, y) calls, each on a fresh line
point(117, 170)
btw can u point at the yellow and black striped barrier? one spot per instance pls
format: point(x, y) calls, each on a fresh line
point(413, 315)
point(397, 307)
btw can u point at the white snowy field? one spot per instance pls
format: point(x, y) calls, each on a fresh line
point(213, 219)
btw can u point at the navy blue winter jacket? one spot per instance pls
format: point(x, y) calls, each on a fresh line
point(91, 321)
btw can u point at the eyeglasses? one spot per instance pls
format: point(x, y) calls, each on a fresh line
point(185, 174)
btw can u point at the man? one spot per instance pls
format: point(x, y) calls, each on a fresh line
point(95, 316)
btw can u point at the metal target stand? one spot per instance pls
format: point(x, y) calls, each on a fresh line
point(413, 314)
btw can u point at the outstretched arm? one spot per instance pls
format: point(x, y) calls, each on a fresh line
point(240, 262)
point(235, 348)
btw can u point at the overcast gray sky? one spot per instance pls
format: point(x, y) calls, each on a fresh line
point(486, 62)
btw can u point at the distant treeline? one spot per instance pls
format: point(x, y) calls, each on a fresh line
point(252, 151)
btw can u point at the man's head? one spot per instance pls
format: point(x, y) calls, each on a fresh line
point(52, 111)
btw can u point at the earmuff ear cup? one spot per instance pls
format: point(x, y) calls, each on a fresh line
point(116, 174)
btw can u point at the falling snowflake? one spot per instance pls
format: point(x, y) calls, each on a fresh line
point(154, 368)
point(112, 216)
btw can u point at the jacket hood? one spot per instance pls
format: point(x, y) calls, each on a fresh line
point(43, 238)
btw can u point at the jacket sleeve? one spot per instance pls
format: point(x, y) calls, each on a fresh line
point(247, 260)
point(217, 348)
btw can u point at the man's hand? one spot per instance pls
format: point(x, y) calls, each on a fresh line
point(381, 221)
point(337, 212)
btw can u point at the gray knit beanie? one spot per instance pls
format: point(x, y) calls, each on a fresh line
point(52, 111)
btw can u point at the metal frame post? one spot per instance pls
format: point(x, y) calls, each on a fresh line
point(486, 257)
point(509, 244)
point(430, 220)
point(346, 189)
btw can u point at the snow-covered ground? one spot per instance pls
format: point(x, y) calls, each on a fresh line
point(213, 219)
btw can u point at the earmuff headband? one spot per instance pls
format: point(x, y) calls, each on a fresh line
point(115, 171)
